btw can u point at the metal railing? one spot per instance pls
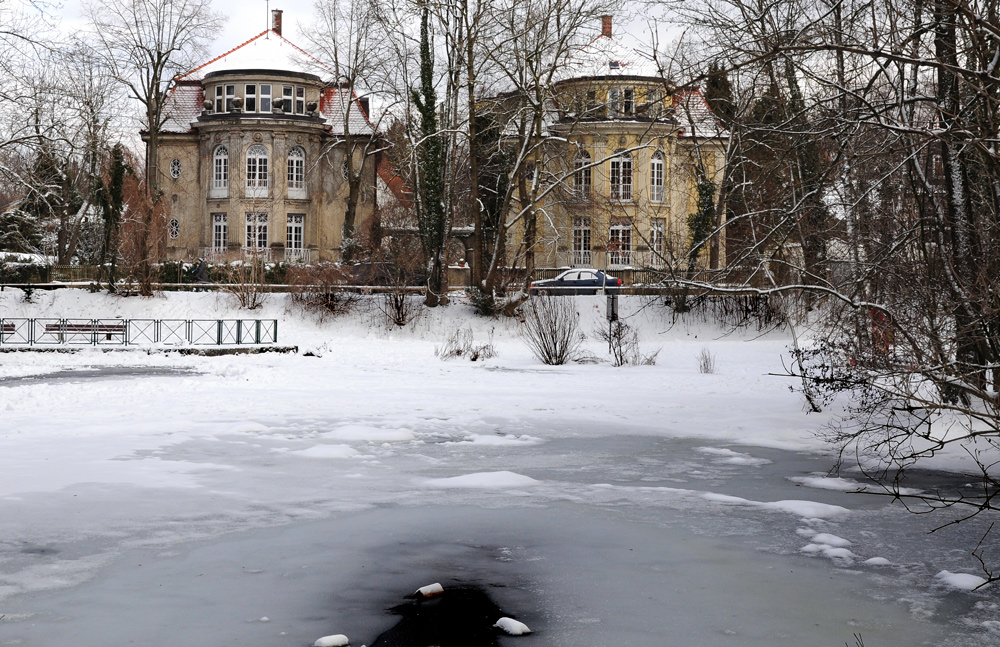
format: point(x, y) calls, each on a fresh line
point(131, 332)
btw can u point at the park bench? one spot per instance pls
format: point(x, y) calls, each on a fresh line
point(106, 329)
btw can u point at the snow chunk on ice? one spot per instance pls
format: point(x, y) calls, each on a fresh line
point(327, 451)
point(962, 581)
point(878, 561)
point(830, 540)
point(843, 485)
point(484, 480)
point(807, 509)
point(336, 640)
point(512, 627)
point(430, 589)
point(729, 457)
point(829, 551)
point(370, 434)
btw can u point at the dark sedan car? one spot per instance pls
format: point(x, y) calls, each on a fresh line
point(577, 282)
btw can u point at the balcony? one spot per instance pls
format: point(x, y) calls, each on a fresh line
point(256, 254)
point(620, 258)
point(297, 255)
point(581, 258)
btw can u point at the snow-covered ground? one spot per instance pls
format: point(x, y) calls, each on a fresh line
point(275, 499)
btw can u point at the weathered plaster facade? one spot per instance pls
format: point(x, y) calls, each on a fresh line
point(252, 157)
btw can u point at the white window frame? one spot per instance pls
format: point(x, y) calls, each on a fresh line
point(230, 95)
point(300, 100)
point(256, 238)
point(287, 97)
point(621, 176)
point(220, 173)
point(628, 101)
point(258, 175)
point(582, 175)
point(220, 233)
point(657, 240)
point(265, 98)
point(297, 173)
point(250, 97)
point(657, 166)
point(295, 232)
point(581, 242)
point(620, 244)
point(614, 102)
point(219, 101)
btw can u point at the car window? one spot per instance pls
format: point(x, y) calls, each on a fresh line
point(588, 276)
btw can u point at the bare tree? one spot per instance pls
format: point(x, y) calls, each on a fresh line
point(868, 178)
point(146, 44)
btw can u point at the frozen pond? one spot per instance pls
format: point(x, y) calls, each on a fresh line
point(603, 540)
point(271, 500)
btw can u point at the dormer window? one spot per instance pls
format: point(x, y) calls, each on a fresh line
point(614, 65)
point(250, 98)
point(265, 98)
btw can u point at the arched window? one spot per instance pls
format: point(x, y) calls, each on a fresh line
point(220, 172)
point(656, 177)
point(581, 175)
point(257, 172)
point(621, 176)
point(297, 173)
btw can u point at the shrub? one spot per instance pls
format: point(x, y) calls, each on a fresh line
point(551, 328)
point(462, 344)
point(623, 344)
point(321, 288)
point(245, 282)
point(706, 362)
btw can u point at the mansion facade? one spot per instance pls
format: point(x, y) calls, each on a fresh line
point(251, 156)
point(627, 150)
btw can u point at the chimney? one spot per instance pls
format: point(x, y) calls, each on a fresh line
point(605, 26)
point(276, 21)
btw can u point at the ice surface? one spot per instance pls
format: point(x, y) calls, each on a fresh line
point(179, 500)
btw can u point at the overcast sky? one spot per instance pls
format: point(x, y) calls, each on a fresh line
point(247, 18)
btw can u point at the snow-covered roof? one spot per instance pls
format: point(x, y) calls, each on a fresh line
point(333, 106)
point(183, 106)
point(269, 51)
point(610, 56)
point(695, 117)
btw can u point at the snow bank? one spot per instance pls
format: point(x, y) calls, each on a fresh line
point(336, 640)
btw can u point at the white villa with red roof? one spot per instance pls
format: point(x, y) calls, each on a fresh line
point(249, 155)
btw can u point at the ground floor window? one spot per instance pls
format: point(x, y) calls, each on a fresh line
point(581, 241)
point(295, 227)
point(657, 238)
point(256, 231)
point(220, 232)
point(620, 242)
